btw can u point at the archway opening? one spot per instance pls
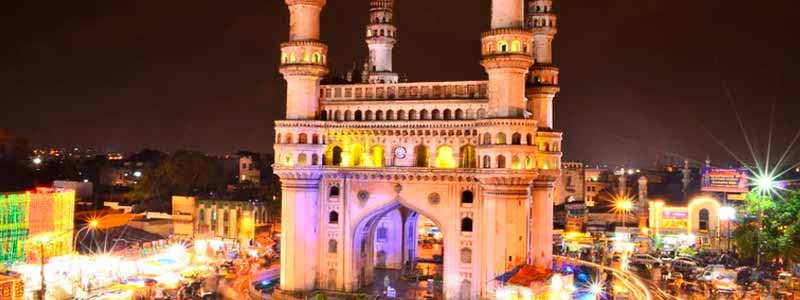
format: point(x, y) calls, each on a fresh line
point(398, 247)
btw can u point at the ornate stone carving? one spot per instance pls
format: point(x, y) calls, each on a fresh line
point(434, 198)
point(363, 196)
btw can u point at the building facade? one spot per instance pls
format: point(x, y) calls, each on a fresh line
point(479, 158)
point(33, 217)
point(226, 219)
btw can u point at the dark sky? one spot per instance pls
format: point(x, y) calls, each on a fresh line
point(639, 77)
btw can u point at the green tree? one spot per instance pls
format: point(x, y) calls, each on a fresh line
point(184, 173)
point(772, 222)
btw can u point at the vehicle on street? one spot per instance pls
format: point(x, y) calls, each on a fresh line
point(667, 255)
point(684, 267)
point(710, 272)
point(724, 282)
point(646, 259)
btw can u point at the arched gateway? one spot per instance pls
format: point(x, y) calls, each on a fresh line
point(385, 154)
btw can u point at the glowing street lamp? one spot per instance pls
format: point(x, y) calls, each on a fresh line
point(596, 289)
point(727, 213)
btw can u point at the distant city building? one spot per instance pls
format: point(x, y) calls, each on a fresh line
point(225, 219)
point(570, 186)
point(124, 174)
point(242, 168)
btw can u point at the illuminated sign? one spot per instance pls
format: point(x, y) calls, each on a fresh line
point(738, 197)
point(724, 180)
point(675, 214)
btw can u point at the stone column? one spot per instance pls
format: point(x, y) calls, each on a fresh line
point(299, 231)
point(503, 224)
point(541, 226)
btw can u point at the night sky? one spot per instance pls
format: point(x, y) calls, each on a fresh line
point(639, 77)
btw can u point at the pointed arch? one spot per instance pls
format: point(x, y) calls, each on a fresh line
point(468, 156)
point(421, 156)
point(376, 156)
point(500, 139)
point(448, 114)
point(459, 114)
point(501, 162)
point(413, 115)
point(445, 158)
point(333, 217)
point(516, 139)
point(436, 115)
point(423, 115)
point(466, 224)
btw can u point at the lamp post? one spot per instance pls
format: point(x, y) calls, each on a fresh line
point(624, 206)
point(727, 214)
point(765, 185)
point(41, 242)
point(93, 223)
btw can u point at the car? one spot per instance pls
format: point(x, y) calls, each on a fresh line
point(667, 255)
point(724, 282)
point(646, 259)
point(710, 271)
point(683, 266)
point(266, 285)
point(689, 258)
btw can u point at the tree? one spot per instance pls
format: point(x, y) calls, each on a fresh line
point(185, 173)
point(773, 223)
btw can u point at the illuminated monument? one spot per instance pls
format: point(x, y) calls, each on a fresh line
point(359, 163)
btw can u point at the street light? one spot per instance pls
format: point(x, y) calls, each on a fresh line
point(728, 214)
point(765, 185)
point(596, 289)
point(623, 206)
point(42, 241)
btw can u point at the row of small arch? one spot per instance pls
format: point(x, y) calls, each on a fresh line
point(542, 23)
point(382, 32)
point(380, 115)
point(315, 138)
point(311, 58)
point(504, 46)
point(516, 139)
point(499, 139)
point(421, 159)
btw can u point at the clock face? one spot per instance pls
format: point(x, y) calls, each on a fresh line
point(400, 152)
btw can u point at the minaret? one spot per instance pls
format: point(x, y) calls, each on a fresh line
point(303, 63)
point(644, 203)
point(506, 58)
point(303, 60)
point(687, 175)
point(381, 37)
point(543, 77)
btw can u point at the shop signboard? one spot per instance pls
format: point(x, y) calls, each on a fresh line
point(724, 180)
point(674, 219)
